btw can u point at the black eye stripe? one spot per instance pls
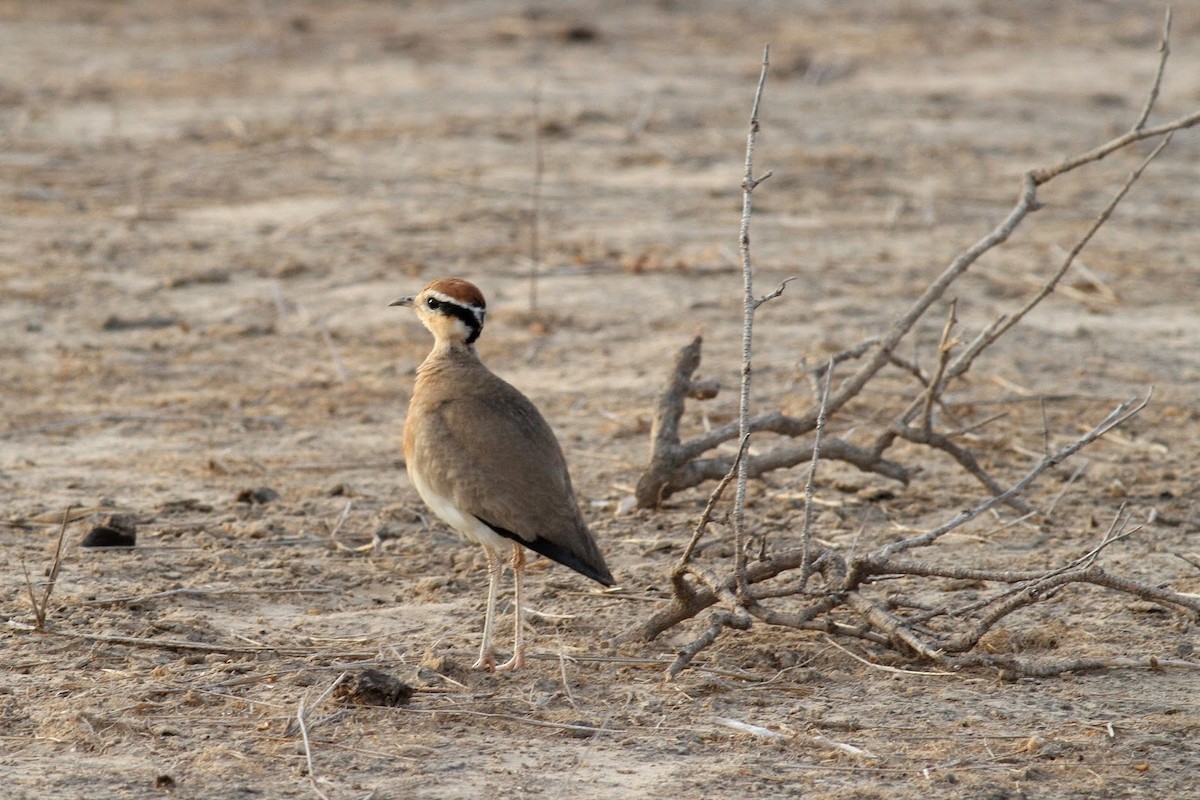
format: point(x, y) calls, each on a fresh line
point(471, 316)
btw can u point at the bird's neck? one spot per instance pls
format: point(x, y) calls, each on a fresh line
point(448, 354)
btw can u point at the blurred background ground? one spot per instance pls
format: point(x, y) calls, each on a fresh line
point(206, 207)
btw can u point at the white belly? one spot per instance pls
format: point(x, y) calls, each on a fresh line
point(449, 513)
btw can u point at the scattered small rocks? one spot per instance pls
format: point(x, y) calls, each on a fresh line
point(260, 496)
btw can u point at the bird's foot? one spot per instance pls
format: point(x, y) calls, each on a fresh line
point(516, 662)
point(486, 661)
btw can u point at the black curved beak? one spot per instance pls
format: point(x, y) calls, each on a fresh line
point(403, 301)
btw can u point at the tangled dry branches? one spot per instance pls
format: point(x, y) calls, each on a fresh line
point(822, 589)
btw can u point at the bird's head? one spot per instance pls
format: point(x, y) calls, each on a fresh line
point(451, 308)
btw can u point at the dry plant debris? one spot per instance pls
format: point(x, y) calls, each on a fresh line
point(880, 596)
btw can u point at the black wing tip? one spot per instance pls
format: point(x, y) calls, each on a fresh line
point(600, 575)
point(593, 568)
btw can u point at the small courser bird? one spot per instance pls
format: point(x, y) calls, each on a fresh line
point(485, 461)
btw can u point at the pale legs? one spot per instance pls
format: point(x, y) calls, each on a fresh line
point(518, 565)
point(487, 658)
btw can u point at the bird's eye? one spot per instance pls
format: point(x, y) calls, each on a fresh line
point(433, 303)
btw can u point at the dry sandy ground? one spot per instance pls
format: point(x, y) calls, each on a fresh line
point(208, 205)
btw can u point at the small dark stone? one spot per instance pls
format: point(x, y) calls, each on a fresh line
point(105, 536)
point(875, 494)
point(373, 687)
point(115, 323)
point(385, 533)
point(184, 505)
point(260, 496)
point(164, 782)
point(115, 530)
point(580, 33)
point(581, 729)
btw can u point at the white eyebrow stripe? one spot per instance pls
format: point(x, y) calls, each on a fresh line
point(478, 311)
point(445, 298)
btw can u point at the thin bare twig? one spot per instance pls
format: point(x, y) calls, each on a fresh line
point(778, 290)
point(1012, 668)
point(810, 485)
point(302, 726)
point(718, 622)
point(341, 520)
point(1006, 323)
point(1046, 174)
point(339, 367)
point(885, 667)
point(1187, 560)
point(945, 346)
point(141, 598)
point(749, 305)
point(166, 644)
point(562, 671)
point(713, 499)
point(535, 211)
point(312, 780)
point(1164, 52)
point(41, 607)
point(1122, 413)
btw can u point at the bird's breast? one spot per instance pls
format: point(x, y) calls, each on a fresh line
point(449, 512)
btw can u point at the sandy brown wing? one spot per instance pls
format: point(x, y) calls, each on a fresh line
point(505, 467)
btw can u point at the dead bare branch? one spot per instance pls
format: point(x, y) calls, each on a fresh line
point(965, 360)
point(1164, 52)
point(1012, 668)
point(706, 517)
point(810, 488)
point(659, 480)
point(851, 598)
point(718, 621)
point(749, 305)
point(1121, 414)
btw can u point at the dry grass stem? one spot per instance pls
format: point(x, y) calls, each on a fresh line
point(341, 520)
point(179, 644)
point(886, 668)
point(308, 758)
point(42, 605)
point(302, 726)
point(535, 211)
point(746, 727)
point(141, 598)
point(339, 366)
